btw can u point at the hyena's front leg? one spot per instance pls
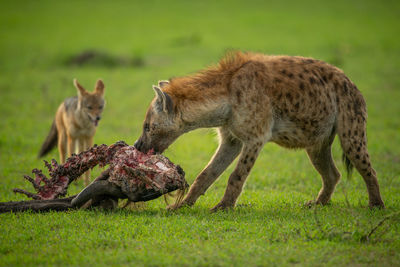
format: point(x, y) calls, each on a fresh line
point(227, 151)
point(238, 177)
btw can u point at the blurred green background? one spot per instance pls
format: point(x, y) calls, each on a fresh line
point(133, 44)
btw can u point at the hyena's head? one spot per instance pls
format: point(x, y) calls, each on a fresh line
point(91, 104)
point(161, 126)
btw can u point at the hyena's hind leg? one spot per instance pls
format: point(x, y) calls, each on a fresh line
point(355, 149)
point(321, 158)
point(352, 133)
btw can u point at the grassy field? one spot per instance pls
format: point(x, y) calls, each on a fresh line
point(141, 42)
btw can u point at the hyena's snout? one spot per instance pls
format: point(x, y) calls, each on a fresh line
point(143, 146)
point(139, 145)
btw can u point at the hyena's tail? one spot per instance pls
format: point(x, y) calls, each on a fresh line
point(349, 166)
point(50, 142)
point(351, 130)
point(352, 122)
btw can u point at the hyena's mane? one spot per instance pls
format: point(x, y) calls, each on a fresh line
point(225, 68)
point(209, 83)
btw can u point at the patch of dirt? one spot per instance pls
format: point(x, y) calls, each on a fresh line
point(92, 57)
point(187, 40)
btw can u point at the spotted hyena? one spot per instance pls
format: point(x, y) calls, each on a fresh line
point(253, 99)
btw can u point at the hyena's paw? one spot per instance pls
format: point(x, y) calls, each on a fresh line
point(179, 205)
point(376, 205)
point(312, 203)
point(309, 204)
point(222, 206)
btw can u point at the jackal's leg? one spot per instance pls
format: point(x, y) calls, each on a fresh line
point(227, 151)
point(82, 147)
point(236, 181)
point(81, 144)
point(321, 158)
point(71, 145)
point(62, 146)
point(88, 144)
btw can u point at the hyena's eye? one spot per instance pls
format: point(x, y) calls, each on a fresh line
point(89, 107)
point(101, 107)
point(146, 127)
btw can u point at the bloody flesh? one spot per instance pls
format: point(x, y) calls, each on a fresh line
point(136, 173)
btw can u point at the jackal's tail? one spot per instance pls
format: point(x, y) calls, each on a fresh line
point(50, 142)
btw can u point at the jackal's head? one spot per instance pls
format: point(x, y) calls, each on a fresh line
point(161, 126)
point(91, 104)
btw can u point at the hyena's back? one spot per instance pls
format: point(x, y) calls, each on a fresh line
point(298, 101)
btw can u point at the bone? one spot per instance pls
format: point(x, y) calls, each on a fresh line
point(95, 189)
point(37, 205)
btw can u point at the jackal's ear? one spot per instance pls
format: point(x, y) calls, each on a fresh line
point(81, 90)
point(162, 83)
point(99, 89)
point(163, 101)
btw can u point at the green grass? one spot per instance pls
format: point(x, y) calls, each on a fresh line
point(173, 38)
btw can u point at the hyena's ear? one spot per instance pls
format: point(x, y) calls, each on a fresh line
point(163, 101)
point(81, 90)
point(99, 89)
point(162, 83)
